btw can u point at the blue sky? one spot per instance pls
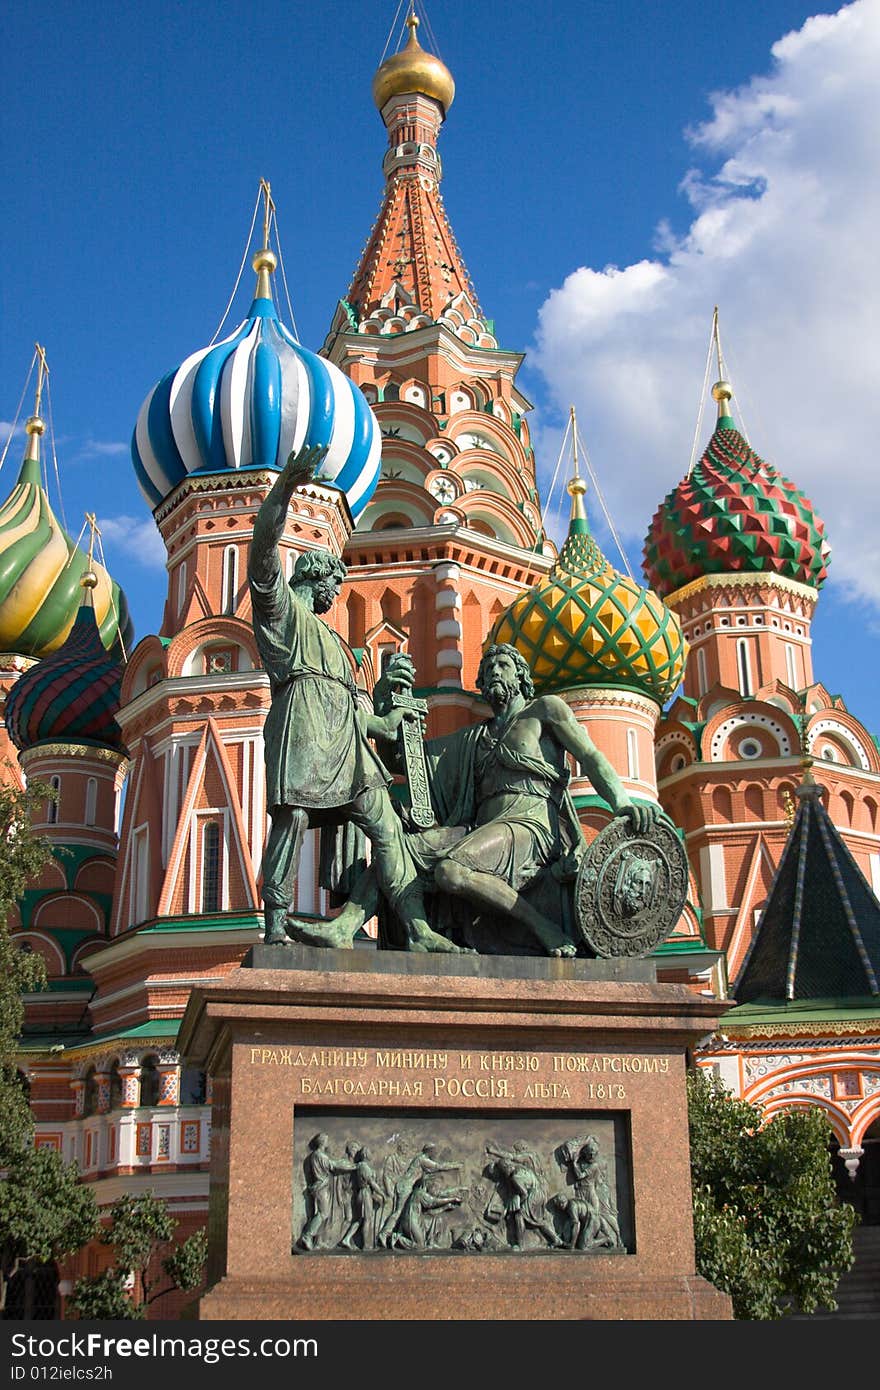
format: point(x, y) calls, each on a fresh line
point(583, 137)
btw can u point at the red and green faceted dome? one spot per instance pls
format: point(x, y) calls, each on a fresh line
point(734, 514)
point(71, 696)
point(585, 624)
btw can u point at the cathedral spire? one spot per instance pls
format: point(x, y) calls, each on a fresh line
point(411, 269)
point(265, 261)
point(35, 426)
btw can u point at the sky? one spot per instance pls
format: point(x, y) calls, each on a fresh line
point(611, 171)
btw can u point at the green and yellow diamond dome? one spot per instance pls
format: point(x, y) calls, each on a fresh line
point(586, 624)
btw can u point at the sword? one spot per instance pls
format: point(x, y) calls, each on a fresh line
point(413, 750)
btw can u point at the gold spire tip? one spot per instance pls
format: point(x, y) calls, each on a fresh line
point(265, 261)
point(722, 392)
point(35, 426)
point(576, 488)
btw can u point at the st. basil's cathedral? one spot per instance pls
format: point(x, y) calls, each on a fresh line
point(699, 689)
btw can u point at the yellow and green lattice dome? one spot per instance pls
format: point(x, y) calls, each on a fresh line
point(586, 624)
point(41, 568)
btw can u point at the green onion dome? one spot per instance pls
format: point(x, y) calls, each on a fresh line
point(41, 568)
point(734, 514)
point(586, 624)
point(72, 695)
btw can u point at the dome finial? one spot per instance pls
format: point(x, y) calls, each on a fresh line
point(265, 260)
point(89, 580)
point(722, 391)
point(413, 70)
point(576, 486)
point(35, 426)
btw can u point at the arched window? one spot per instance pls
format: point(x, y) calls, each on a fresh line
point(91, 800)
point(181, 586)
point(230, 578)
point(192, 1086)
point(90, 1099)
point(744, 666)
point(140, 878)
point(53, 806)
point(211, 867)
point(755, 802)
point(115, 1087)
point(790, 669)
point(149, 1082)
point(391, 392)
point(702, 677)
point(632, 754)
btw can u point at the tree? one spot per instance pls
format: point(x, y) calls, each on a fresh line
point(139, 1227)
point(45, 1212)
point(22, 858)
point(768, 1225)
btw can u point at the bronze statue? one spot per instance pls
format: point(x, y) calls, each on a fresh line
point(321, 768)
point(499, 791)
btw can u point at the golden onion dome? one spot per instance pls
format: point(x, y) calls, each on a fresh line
point(413, 70)
point(585, 624)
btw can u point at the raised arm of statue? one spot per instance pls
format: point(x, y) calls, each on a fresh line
point(263, 560)
point(568, 732)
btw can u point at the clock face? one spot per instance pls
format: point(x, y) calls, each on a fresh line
point(444, 490)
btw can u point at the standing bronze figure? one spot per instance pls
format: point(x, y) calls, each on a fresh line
point(320, 766)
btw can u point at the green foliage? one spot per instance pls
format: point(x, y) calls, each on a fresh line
point(45, 1211)
point(139, 1227)
point(768, 1226)
point(104, 1298)
point(23, 856)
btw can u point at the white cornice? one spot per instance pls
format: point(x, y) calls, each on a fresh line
point(174, 687)
point(434, 535)
point(127, 947)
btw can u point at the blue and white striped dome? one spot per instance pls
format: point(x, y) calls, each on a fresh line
point(247, 402)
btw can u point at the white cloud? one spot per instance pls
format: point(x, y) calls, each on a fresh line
point(104, 448)
point(139, 539)
point(785, 204)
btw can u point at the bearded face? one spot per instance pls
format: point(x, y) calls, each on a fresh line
point(500, 681)
point(324, 592)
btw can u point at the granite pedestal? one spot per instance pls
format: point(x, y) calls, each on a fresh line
point(379, 1050)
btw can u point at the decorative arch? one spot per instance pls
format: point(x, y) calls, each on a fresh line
point(183, 652)
point(147, 659)
point(840, 737)
point(82, 952)
point(754, 799)
point(837, 1118)
point(68, 910)
point(755, 719)
point(864, 1117)
point(44, 946)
